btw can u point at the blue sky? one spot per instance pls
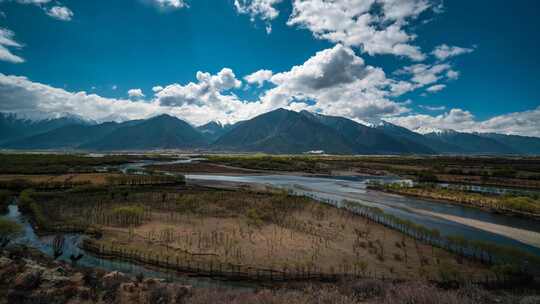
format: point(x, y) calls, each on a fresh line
point(363, 59)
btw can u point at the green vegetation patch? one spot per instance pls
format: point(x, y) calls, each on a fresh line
point(512, 203)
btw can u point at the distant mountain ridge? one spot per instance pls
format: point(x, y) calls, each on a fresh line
point(279, 131)
point(213, 130)
point(469, 143)
point(159, 132)
point(520, 144)
point(366, 140)
point(282, 131)
point(13, 127)
point(66, 137)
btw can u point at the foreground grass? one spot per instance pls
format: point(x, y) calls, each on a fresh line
point(367, 292)
point(27, 276)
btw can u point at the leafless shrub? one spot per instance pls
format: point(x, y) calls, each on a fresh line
point(58, 245)
point(366, 289)
point(159, 296)
point(421, 293)
point(309, 296)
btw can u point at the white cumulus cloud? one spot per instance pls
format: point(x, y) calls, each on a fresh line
point(424, 74)
point(436, 88)
point(443, 51)
point(338, 82)
point(57, 11)
point(170, 4)
point(357, 23)
point(208, 89)
point(60, 12)
point(156, 89)
point(210, 98)
point(7, 41)
point(517, 123)
point(259, 77)
point(452, 75)
point(135, 93)
point(263, 9)
point(433, 108)
point(36, 2)
point(21, 95)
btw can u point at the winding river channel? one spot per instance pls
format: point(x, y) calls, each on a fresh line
point(449, 219)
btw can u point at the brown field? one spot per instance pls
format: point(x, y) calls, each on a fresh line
point(93, 178)
point(259, 230)
point(332, 248)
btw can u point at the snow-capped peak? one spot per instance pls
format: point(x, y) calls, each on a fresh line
point(75, 118)
point(375, 123)
point(39, 116)
point(213, 124)
point(427, 130)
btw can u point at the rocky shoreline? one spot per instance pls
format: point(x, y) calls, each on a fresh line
point(29, 276)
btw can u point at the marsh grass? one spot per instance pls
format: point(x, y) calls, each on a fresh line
point(253, 229)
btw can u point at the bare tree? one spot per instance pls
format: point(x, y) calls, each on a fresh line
point(58, 245)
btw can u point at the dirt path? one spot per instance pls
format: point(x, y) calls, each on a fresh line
point(528, 237)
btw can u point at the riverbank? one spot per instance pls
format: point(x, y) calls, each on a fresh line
point(27, 276)
point(506, 205)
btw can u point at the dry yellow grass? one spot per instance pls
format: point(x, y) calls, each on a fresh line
point(93, 178)
point(318, 237)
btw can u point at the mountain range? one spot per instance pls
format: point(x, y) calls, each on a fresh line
point(280, 131)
